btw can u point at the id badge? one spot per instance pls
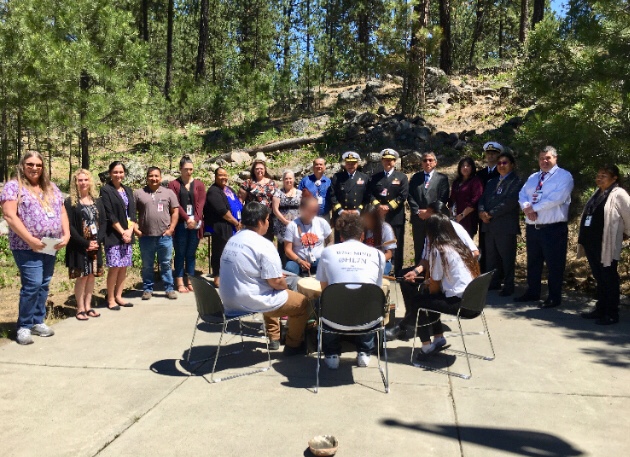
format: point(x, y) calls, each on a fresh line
point(50, 214)
point(189, 210)
point(93, 229)
point(160, 207)
point(320, 200)
point(238, 215)
point(587, 221)
point(536, 196)
point(499, 190)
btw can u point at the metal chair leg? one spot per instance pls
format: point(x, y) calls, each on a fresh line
point(384, 374)
point(216, 356)
point(319, 355)
point(193, 339)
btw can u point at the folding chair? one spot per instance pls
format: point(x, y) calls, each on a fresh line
point(353, 305)
point(474, 299)
point(211, 311)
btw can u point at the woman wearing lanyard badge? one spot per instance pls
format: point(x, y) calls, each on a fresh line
point(191, 195)
point(84, 254)
point(604, 224)
point(33, 208)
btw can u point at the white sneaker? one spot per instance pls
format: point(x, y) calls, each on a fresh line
point(332, 361)
point(363, 359)
point(42, 330)
point(24, 336)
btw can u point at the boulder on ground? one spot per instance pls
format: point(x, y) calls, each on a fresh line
point(239, 158)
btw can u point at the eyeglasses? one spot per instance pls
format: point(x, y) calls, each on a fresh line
point(34, 165)
point(503, 162)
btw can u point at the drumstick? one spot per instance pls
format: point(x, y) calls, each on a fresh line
point(387, 243)
point(401, 278)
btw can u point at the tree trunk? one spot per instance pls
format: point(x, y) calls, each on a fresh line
point(289, 143)
point(480, 13)
point(413, 96)
point(169, 49)
point(539, 12)
point(363, 38)
point(145, 20)
point(446, 46)
point(501, 25)
point(308, 55)
point(84, 85)
point(5, 145)
point(200, 70)
point(524, 22)
point(19, 134)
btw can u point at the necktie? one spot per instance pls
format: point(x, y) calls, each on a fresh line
point(427, 177)
point(543, 175)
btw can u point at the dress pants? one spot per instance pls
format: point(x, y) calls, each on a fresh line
point(500, 252)
point(399, 253)
point(546, 244)
point(418, 228)
point(608, 285)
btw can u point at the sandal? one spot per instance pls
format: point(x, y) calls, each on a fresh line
point(190, 287)
point(82, 316)
point(182, 289)
point(93, 313)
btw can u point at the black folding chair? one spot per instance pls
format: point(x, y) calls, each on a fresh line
point(353, 305)
point(211, 311)
point(474, 299)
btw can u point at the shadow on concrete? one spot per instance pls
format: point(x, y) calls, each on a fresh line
point(519, 442)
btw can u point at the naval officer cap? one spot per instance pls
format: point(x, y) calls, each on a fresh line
point(351, 156)
point(493, 146)
point(389, 154)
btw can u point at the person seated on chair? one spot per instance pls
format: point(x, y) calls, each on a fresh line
point(252, 281)
point(379, 234)
point(305, 238)
point(350, 261)
point(451, 267)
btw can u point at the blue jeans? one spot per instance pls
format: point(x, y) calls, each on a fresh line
point(388, 268)
point(36, 271)
point(331, 343)
point(185, 242)
point(294, 268)
point(163, 247)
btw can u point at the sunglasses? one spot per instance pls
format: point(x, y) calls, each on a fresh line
point(34, 165)
point(503, 162)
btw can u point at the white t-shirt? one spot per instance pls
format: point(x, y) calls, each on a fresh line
point(248, 260)
point(455, 278)
point(461, 233)
point(311, 241)
point(387, 234)
point(351, 262)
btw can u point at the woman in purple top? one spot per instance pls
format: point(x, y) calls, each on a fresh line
point(33, 208)
point(465, 194)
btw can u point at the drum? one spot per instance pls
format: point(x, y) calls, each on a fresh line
point(310, 287)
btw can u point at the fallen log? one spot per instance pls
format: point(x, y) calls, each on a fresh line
point(289, 143)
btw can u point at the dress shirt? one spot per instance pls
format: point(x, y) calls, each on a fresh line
point(554, 197)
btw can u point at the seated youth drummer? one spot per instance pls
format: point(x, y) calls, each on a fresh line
point(305, 238)
point(451, 267)
point(350, 261)
point(379, 234)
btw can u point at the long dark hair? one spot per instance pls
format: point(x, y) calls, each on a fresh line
point(372, 214)
point(473, 169)
point(442, 235)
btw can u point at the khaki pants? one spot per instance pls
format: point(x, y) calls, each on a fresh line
point(297, 309)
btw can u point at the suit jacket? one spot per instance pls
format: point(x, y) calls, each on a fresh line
point(500, 200)
point(391, 191)
point(420, 196)
point(115, 212)
point(486, 176)
point(346, 193)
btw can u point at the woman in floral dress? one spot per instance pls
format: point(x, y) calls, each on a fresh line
point(286, 207)
point(260, 188)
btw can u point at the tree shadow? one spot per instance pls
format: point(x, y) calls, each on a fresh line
point(520, 442)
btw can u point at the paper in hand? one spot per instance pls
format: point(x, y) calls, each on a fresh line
point(49, 245)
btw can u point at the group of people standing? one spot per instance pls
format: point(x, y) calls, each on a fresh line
point(99, 230)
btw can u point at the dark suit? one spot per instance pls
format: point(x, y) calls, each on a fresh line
point(392, 191)
point(485, 176)
point(347, 193)
point(500, 200)
point(420, 197)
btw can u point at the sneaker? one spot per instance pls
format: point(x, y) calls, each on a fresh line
point(24, 336)
point(147, 295)
point(42, 330)
point(439, 342)
point(171, 295)
point(363, 359)
point(332, 361)
point(274, 345)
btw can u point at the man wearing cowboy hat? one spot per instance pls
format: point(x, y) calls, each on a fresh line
point(388, 191)
point(491, 150)
point(348, 189)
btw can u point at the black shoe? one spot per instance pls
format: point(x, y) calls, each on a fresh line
point(607, 320)
point(595, 314)
point(494, 287)
point(526, 297)
point(549, 303)
point(397, 333)
point(506, 292)
point(291, 351)
point(274, 345)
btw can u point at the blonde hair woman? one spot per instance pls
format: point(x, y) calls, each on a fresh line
point(84, 254)
point(33, 208)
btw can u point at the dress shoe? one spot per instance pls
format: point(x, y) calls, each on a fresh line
point(595, 314)
point(506, 292)
point(526, 297)
point(397, 333)
point(494, 287)
point(607, 320)
point(549, 303)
